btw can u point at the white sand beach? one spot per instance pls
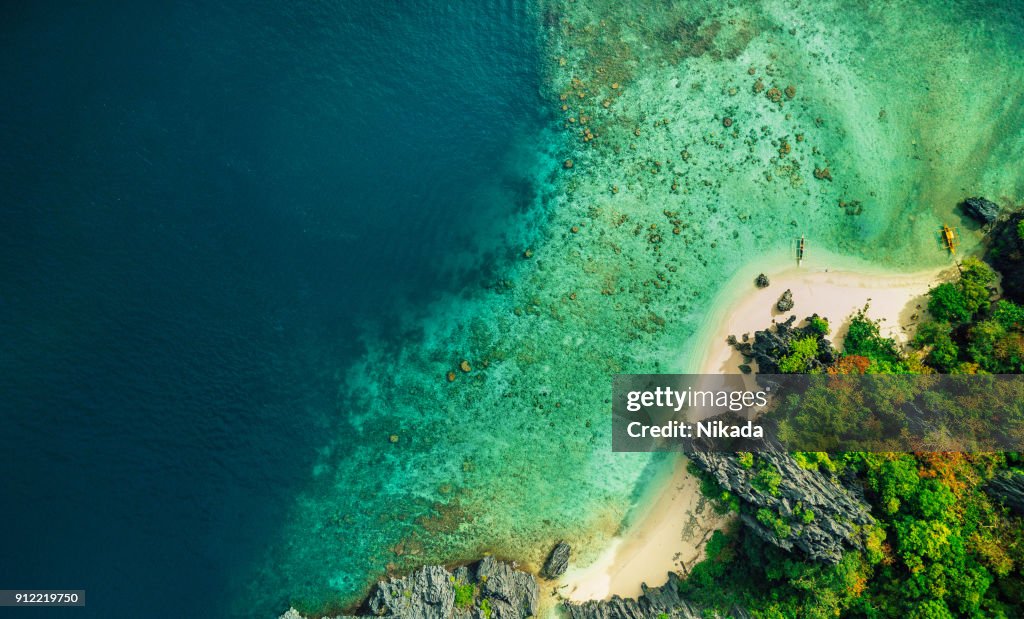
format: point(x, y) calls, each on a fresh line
point(896, 300)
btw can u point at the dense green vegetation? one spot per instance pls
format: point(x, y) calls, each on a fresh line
point(882, 354)
point(465, 593)
point(942, 549)
point(968, 334)
point(942, 546)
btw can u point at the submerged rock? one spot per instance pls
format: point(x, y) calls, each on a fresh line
point(761, 281)
point(558, 561)
point(1008, 488)
point(980, 209)
point(430, 593)
point(653, 603)
point(785, 302)
point(837, 515)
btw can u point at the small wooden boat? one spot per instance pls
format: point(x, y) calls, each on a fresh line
point(800, 244)
point(950, 238)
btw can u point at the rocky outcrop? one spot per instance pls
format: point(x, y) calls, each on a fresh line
point(980, 209)
point(779, 514)
point(1006, 254)
point(558, 561)
point(489, 588)
point(663, 601)
point(428, 593)
point(769, 346)
point(785, 303)
point(1008, 488)
point(762, 281)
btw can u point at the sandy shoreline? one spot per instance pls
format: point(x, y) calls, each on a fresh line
point(896, 300)
point(672, 522)
point(667, 533)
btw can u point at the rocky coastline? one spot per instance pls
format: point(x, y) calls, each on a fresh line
point(822, 517)
point(487, 589)
point(493, 589)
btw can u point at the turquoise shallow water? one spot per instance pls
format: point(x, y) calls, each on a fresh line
point(910, 108)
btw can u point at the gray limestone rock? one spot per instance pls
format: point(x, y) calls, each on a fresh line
point(429, 593)
point(558, 561)
point(785, 302)
point(769, 346)
point(838, 514)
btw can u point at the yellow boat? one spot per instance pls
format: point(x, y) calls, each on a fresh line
point(950, 239)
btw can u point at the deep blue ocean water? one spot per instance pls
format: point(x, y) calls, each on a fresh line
point(201, 206)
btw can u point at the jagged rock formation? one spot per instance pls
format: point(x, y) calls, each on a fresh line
point(652, 604)
point(431, 593)
point(837, 514)
point(762, 281)
point(785, 301)
point(1006, 254)
point(558, 561)
point(771, 345)
point(1008, 488)
point(980, 209)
